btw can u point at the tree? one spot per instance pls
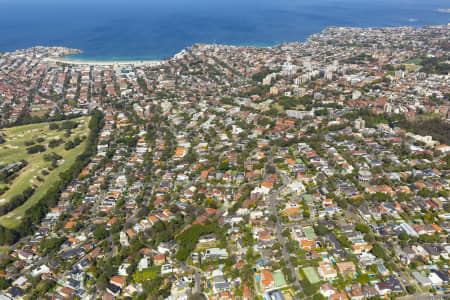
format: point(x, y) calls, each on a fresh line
point(378, 251)
point(4, 283)
point(69, 145)
point(425, 193)
point(69, 125)
point(53, 126)
point(35, 149)
point(308, 288)
point(224, 164)
point(51, 245)
point(363, 278)
point(319, 297)
point(411, 289)
point(321, 230)
point(362, 228)
point(273, 218)
point(55, 143)
point(403, 236)
point(270, 169)
point(35, 213)
point(188, 239)
point(102, 282)
point(100, 232)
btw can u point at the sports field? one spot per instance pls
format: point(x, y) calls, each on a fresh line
point(311, 274)
point(309, 232)
point(279, 279)
point(39, 172)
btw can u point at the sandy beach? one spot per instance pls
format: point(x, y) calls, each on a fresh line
point(150, 63)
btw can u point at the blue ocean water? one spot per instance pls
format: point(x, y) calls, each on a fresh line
point(114, 30)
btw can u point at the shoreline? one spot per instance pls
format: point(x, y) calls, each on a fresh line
point(66, 59)
point(105, 63)
point(153, 63)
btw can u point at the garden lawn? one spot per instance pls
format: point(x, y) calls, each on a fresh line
point(146, 274)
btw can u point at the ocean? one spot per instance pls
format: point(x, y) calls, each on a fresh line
point(120, 30)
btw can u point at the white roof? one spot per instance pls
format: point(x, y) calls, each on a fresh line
point(435, 279)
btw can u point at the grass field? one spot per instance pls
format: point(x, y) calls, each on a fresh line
point(309, 232)
point(415, 61)
point(14, 150)
point(204, 246)
point(311, 274)
point(279, 279)
point(147, 274)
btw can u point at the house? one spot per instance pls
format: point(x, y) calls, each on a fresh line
point(131, 290)
point(382, 269)
point(40, 270)
point(356, 292)
point(346, 268)
point(24, 255)
point(167, 269)
point(220, 283)
point(369, 291)
point(114, 290)
point(308, 245)
point(327, 271)
point(70, 224)
point(207, 238)
point(216, 253)
point(434, 251)
point(123, 239)
point(122, 271)
point(21, 282)
point(435, 279)
point(167, 247)
point(69, 254)
point(111, 222)
point(159, 259)
point(143, 264)
point(67, 292)
point(339, 296)
point(15, 293)
point(383, 288)
point(327, 290)
point(360, 248)
point(396, 286)
point(442, 148)
point(266, 279)
point(266, 186)
point(334, 241)
point(131, 233)
point(118, 281)
point(421, 279)
point(444, 276)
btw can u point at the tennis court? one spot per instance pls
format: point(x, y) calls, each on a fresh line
point(279, 279)
point(309, 232)
point(311, 274)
